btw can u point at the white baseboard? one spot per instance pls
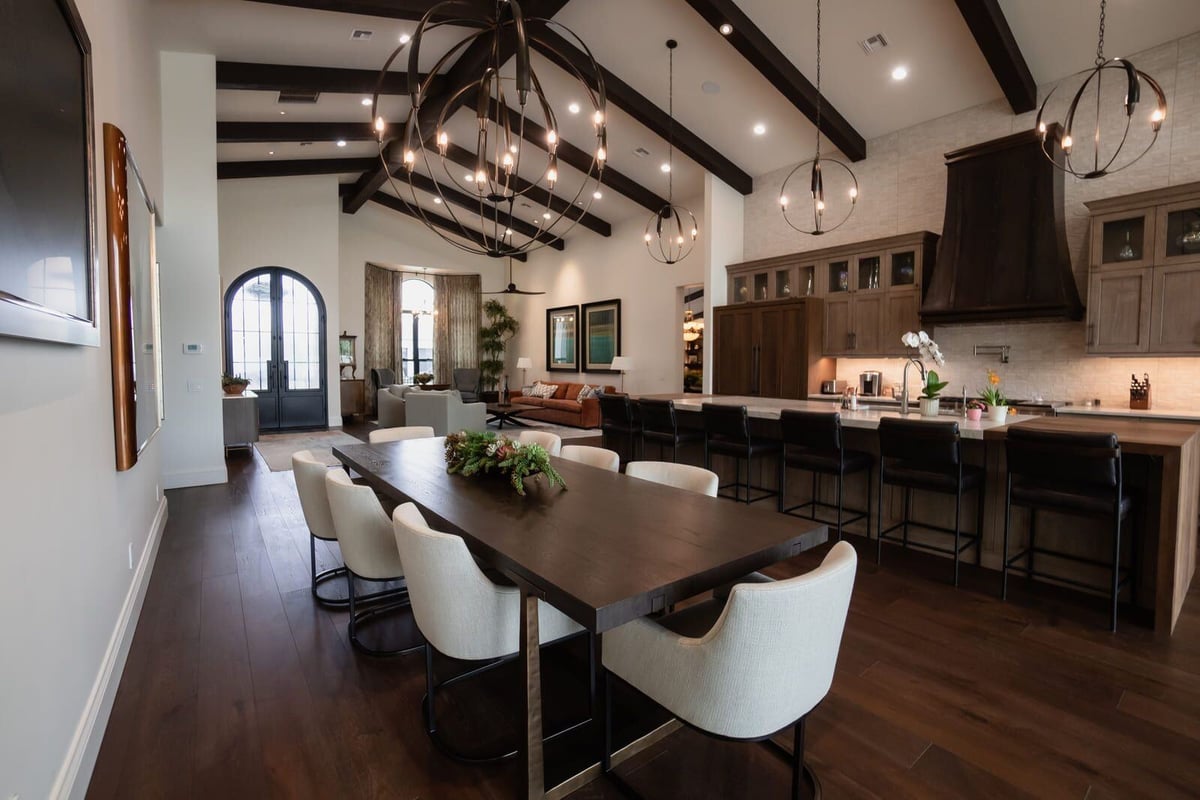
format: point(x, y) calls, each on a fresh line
point(76, 770)
point(204, 477)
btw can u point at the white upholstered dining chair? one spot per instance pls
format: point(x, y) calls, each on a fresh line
point(681, 476)
point(598, 457)
point(309, 474)
point(761, 666)
point(400, 434)
point(550, 441)
point(369, 549)
point(461, 612)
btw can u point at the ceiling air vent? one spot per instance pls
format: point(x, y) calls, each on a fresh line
point(873, 43)
point(291, 96)
point(641, 152)
point(360, 35)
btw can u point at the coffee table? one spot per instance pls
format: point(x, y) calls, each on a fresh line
point(506, 412)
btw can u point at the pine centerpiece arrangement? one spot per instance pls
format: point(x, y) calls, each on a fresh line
point(472, 453)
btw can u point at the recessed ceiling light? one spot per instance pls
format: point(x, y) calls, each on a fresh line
point(469, 178)
point(899, 73)
point(725, 29)
point(665, 167)
point(437, 200)
point(283, 113)
point(759, 129)
point(366, 101)
point(545, 215)
point(341, 143)
point(596, 195)
point(270, 152)
point(405, 38)
point(573, 108)
point(710, 87)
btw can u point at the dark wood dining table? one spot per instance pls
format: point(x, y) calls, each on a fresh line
point(606, 550)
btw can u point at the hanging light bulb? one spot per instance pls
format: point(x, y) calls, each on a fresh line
point(815, 168)
point(672, 231)
point(1132, 79)
point(502, 99)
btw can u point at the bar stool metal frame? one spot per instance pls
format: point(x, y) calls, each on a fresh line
point(726, 432)
point(616, 419)
point(660, 424)
point(1039, 460)
point(818, 435)
point(923, 452)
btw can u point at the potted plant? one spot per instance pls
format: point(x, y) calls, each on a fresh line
point(975, 410)
point(930, 402)
point(234, 384)
point(994, 397)
point(423, 378)
point(493, 340)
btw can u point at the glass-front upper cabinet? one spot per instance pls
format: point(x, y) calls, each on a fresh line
point(837, 276)
point(739, 290)
point(869, 273)
point(806, 285)
point(784, 280)
point(1179, 237)
point(1122, 240)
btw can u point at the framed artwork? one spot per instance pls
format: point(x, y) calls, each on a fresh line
point(562, 339)
point(47, 193)
point(133, 302)
point(601, 335)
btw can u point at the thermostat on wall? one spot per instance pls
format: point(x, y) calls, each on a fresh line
point(193, 349)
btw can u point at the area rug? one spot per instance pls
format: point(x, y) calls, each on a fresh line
point(276, 448)
point(561, 431)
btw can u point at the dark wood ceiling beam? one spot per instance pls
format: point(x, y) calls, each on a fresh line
point(762, 54)
point(438, 221)
point(234, 132)
point(995, 38)
point(242, 75)
point(581, 160)
point(290, 167)
point(620, 94)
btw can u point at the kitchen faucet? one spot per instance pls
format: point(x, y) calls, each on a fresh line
point(904, 392)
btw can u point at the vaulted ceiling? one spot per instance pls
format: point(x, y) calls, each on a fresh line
point(958, 54)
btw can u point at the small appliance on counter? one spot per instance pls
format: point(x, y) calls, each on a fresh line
point(833, 387)
point(1139, 392)
point(870, 383)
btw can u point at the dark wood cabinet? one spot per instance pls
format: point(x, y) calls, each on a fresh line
point(353, 398)
point(770, 349)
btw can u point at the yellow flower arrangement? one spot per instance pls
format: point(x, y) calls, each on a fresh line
point(992, 394)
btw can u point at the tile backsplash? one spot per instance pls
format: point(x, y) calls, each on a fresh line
point(1046, 358)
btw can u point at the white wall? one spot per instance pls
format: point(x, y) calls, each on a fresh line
point(725, 236)
point(903, 189)
point(594, 268)
point(292, 223)
point(69, 516)
point(193, 451)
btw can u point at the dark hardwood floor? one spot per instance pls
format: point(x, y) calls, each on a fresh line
point(238, 685)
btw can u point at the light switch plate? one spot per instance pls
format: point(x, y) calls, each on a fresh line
point(192, 349)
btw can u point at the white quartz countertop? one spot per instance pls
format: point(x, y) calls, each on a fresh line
point(769, 408)
point(1164, 414)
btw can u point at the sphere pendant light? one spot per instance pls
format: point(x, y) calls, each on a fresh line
point(1093, 79)
point(510, 155)
point(672, 231)
point(796, 213)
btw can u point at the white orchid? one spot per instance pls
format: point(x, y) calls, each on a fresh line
point(927, 347)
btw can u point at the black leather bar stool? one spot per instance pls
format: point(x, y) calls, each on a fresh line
point(727, 433)
point(927, 456)
point(660, 425)
point(1071, 473)
point(812, 441)
point(616, 420)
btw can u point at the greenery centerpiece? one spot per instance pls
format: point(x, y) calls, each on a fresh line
point(470, 453)
point(234, 384)
point(994, 396)
point(493, 340)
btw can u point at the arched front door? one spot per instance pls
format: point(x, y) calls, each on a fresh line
point(275, 336)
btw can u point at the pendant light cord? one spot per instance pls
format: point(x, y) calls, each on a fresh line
point(1100, 38)
point(818, 80)
point(671, 124)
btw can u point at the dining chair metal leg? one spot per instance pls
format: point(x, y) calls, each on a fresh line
point(1007, 528)
point(1116, 572)
point(879, 519)
point(957, 528)
point(782, 480)
point(841, 480)
point(321, 578)
point(980, 500)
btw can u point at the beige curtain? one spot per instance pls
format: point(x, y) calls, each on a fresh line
point(381, 330)
point(458, 301)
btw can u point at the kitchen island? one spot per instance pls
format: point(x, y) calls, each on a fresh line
point(1162, 471)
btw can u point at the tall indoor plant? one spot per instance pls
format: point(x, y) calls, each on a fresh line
point(493, 340)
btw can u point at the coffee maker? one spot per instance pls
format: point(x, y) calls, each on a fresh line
point(870, 383)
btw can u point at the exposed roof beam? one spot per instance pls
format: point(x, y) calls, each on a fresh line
point(581, 160)
point(437, 220)
point(288, 167)
point(285, 77)
point(229, 132)
point(758, 49)
point(986, 20)
point(469, 66)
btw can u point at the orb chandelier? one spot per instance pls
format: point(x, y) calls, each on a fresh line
point(672, 231)
point(496, 179)
point(1093, 78)
point(794, 213)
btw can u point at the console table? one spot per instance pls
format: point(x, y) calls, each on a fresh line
point(240, 417)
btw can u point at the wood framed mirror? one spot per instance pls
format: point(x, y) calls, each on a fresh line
point(133, 302)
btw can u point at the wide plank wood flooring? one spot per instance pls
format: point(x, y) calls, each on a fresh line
point(238, 685)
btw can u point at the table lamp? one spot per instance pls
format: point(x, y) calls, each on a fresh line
point(621, 364)
point(523, 364)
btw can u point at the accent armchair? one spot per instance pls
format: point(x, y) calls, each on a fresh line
point(445, 412)
point(466, 381)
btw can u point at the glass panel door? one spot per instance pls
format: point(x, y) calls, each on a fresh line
point(249, 332)
point(301, 323)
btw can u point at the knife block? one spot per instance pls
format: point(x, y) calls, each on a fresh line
point(1139, 399)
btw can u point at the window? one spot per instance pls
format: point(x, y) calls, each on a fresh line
point(416, 329)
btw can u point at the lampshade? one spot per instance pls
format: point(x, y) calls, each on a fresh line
point(622, 363)
point(524, 363)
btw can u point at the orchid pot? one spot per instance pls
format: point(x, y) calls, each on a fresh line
point(930, 406)
point(997, 413)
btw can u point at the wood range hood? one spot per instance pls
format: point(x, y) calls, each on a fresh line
point(1003, 252)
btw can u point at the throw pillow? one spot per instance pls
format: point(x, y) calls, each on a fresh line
point(587, 392)
point(543, 390)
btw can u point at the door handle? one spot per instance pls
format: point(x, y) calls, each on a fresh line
point(270, 376)
point(283, 380)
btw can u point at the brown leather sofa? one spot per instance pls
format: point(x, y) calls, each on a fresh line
point(563, 408)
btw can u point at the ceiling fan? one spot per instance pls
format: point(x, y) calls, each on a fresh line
point(512, 287)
